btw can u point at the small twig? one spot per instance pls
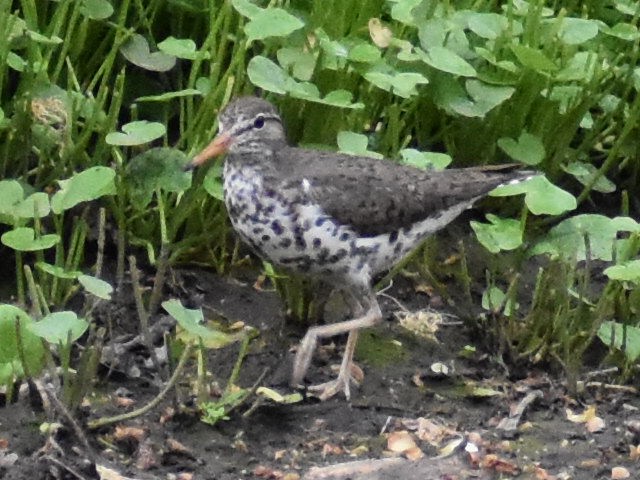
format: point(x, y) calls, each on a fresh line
point(66, 467)
point(62, 410)
point(386, 424)
point(511, 423)
point(135, 413)
point(258, 401)
point(161, 273)
point(36, 311)
point(604, 371)
point(611, 386)
point(101, 239)
point(143, 314)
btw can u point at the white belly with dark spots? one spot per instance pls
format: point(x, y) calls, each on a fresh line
point(302, 238)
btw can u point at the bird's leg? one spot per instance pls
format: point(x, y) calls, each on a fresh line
point(370, 317)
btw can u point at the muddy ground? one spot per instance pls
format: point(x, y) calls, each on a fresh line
point(427, 408)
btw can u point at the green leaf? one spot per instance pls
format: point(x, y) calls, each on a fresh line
point(96, 286)
point(584, 173)
point(136, 133)
point(36, 205)
point(271, 22)
point(624, 31)
point(446, 60)
point(499, 234)
point(628, 271)
point(364, 53)
point(575, 31)
point(32, 348)
point(59, 327)
point(158, 168)
point(355, 144)
point(246, 8)
point(57, 271)
point(212, 182)
point(340, 98)
point(492, 299)
point(16, 62)
point(181, 48)
point(527, 149)
point(425, 160)
point(533, 59)
point(581, 67)
point(96, 9)
point(85, 186)
point(488, 25)
point(11, 194)
point(567, 239)
point(136, 50)
point(23, 239)
point(265, 74)
point(192, 322)
point(277, 397)
point(541, 196)
point(402, 84)
point(625, 338)
point(301, 63)
point(478, 99)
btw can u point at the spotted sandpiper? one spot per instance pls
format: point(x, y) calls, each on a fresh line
point(335, 217)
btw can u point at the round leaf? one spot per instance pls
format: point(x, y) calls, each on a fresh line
point(527, 148)
point(136, 50)
point(265, 74)
point(85, 186)
point(96, 9)
point(31, 345)
point(95, 286)
point(24, 239)
point(499, 234)
point(441, 58)
point(181, 48)
point(59, 327)
point(158, 168)
point(271, 22)
point(136, 133)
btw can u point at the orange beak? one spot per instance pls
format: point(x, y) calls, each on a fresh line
point(218, 146)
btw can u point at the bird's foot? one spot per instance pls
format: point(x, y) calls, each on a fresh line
point(342, 383)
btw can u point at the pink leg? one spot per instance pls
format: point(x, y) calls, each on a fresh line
point(372, 316)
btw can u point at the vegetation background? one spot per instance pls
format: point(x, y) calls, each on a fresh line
point(102, 103)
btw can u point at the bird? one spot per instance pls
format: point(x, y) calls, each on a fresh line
point(338, 218)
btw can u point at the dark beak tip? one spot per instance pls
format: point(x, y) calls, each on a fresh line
point(189, 167)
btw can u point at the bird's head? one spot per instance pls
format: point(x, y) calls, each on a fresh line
point(246, 125)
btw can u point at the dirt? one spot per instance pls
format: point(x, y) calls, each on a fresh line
point(452, 416)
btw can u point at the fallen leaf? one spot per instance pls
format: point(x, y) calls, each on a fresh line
point(329, 449)
point(400, 442)
point(595, 424)
point(618, 473)
point(450, 447)
point(124, 402)
point(413, 453)
point(380, 35)
point(585, 416)
point(146, 456)
point(493, 462)
point(591, 463)
point(122, 434)
point(176, 447)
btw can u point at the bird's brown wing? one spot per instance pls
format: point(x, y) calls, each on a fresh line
point(378, 196)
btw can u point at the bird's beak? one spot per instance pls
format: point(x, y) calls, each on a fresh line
point(218, 146)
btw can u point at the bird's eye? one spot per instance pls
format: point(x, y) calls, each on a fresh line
point(258, 122)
